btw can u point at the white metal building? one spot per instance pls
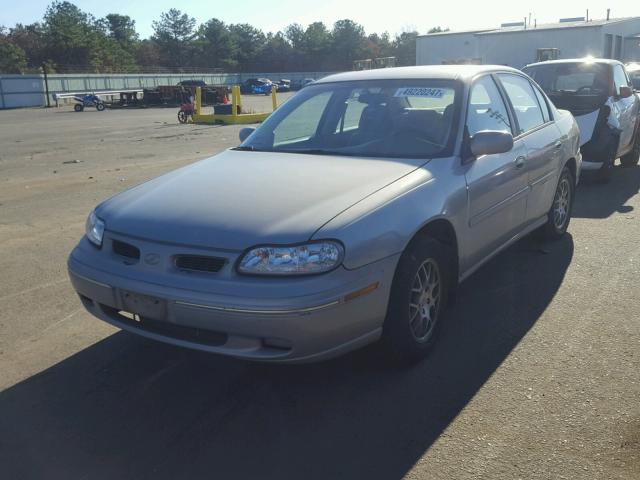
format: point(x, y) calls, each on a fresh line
point(517, 44)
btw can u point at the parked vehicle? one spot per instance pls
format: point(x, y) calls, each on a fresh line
point(349, 216)
point(284, 85)
point(252, 84)
point(599, 94)
point(633, 70)
point(298, 84)
point(90, 100)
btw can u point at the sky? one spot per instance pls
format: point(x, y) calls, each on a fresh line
point(376, 16)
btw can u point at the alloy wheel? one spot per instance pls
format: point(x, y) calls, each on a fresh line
point(562, 204)
point(424, 304)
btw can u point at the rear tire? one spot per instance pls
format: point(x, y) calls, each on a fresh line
point(559, 215)
point(418, 298)
point(631, 158)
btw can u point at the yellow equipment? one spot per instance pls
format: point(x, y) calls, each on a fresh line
point(234, 117)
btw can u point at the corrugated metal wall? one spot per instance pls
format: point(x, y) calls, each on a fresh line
point(518, 48)
point(28, 90)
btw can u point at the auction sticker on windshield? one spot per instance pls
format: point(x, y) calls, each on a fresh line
point(419, 92)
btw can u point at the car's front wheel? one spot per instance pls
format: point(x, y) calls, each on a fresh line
point(631, 158)
point(559, 215)
point(418, 298)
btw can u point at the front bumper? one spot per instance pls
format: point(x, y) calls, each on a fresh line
point(267, 319)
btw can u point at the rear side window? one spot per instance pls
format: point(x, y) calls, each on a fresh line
point(486, 110)
point(524, 101)
point(543, 104)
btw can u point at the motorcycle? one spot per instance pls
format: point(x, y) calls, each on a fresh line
point(90, 100)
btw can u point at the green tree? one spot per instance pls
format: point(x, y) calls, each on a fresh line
point(173, 34)
point(69, 35)
point(250, 42)
point(317, 46)
point(275, 55)
point(404, 46)
point(216, 45)
point(148, 56)
point(12, 57)
point(347, 43)
point(122, 29)
point(31, 39)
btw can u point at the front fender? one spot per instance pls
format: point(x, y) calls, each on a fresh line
point(385, 222)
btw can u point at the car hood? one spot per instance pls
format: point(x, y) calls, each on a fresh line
point(238, 199)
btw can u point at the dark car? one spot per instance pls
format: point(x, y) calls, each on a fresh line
point(284, 85)
point(599, 94)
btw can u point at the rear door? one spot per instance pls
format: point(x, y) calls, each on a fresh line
point(626, 109)
point(538, 132)
point(496, 184)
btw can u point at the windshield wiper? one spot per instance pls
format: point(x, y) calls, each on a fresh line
point(245, 148)
point(318, 151)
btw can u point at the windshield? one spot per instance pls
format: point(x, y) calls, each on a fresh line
point(392, 118)
point(634, 75)
point(582, 78)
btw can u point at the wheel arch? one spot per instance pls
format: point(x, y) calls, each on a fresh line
point(443, 230)
point(572, 165)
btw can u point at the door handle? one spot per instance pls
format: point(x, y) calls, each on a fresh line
point(520, 161)
point(558, 144)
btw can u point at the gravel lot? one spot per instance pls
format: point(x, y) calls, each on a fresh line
point(536, 376)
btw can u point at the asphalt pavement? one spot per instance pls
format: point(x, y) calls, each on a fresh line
point(536, 374)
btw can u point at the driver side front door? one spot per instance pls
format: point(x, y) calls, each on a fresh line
point(497, 186)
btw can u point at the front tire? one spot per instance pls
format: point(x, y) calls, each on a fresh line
point(631, 158)
point(78, 107)
point(100, 107)
point(418, 298)
point(559, 215)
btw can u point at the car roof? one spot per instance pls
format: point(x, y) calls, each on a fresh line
point(603, 61)
point(438, 72)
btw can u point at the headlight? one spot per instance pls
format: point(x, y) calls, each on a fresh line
point(95, 229)
point(305, 259)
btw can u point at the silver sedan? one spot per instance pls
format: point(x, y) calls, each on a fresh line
point(348, 217)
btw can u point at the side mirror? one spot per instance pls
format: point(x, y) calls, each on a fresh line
point(491, 142)
point(625, 92)
point(245, 132)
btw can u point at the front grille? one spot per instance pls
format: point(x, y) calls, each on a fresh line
point(126, 249)
point(199, 263)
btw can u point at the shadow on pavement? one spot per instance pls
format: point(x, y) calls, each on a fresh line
point(601, 201)
point(130, 408)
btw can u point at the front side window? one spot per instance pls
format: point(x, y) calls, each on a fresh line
point(635, 79)
point(619, 78)
point(486, 109)
point(524, 101)
point(381, 118)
